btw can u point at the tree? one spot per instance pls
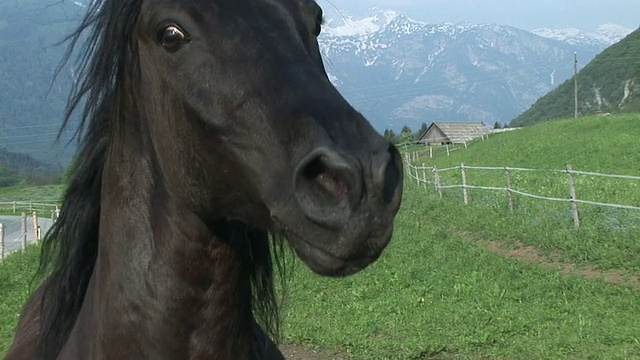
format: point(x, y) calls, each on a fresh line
point(390, 135)
point(497, 125)
point(406, 135)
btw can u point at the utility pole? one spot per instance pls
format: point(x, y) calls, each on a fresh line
point(575, 84)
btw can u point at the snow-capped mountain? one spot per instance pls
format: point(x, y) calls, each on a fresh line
point(374, 20)
point(606, 34)
point(399, 71)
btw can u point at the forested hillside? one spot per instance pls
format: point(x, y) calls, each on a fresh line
point(610, 83)
point(31, 103)
point(18, 168)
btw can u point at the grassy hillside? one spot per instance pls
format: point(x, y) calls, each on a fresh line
point(595, 143)
point(609, 83)
point(607, 237)
point(444, 288)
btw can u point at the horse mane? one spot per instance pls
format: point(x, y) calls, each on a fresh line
point(69, 250)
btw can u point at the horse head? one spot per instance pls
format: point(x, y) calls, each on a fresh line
point(247, 126)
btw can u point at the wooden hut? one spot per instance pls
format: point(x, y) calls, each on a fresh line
point(444, 133)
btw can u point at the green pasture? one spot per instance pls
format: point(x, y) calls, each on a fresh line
point(607, 236)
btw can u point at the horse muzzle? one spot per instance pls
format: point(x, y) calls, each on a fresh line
point(345, 208)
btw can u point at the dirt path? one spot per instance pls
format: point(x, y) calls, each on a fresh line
point(532, 254)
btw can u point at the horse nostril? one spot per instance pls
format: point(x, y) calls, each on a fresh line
point(325, 178)
point(392, 175)
point(326, 185)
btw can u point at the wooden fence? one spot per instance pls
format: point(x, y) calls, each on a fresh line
point(431, 176)
point(23, 220)
point(17, 207)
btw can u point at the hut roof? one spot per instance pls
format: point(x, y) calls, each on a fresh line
point(457, 132)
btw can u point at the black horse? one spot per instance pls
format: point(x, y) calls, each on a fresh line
point(209, 131)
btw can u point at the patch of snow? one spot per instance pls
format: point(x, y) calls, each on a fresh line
point(604, 34)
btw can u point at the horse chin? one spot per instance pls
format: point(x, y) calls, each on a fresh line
point(324, 262)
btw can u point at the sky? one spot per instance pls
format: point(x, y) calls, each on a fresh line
point(524, 14)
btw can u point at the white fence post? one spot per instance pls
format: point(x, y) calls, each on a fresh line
point(465, 191)
point(36, 227)
point(24, 231)
point(509, 192)
point(572, 192)
point(2, 241)
point(436, 179)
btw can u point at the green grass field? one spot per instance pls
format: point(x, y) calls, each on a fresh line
point(439, 292)
point(607, 236)
point(46, 193)
point(16, 273)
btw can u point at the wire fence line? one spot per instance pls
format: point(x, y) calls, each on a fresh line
point(420, 174)
point(430, 151)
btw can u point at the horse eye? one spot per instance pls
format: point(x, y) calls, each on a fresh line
point(172, 38)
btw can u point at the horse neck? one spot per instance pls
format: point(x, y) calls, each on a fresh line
point(173, 277)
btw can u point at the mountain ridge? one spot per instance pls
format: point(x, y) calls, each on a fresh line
point(399, 71)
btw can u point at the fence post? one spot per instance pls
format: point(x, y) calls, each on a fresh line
point(24, 230)
point(14, 207)
point(447, 149)
point(509, 193)
point(430, 152)
point(424, 176)
point(1, 241)
point(30, 206)
point(436, 180)
point(407, 163)
point(572, 191)
point(465, 191)
point(417, 175)
point(35, 227)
